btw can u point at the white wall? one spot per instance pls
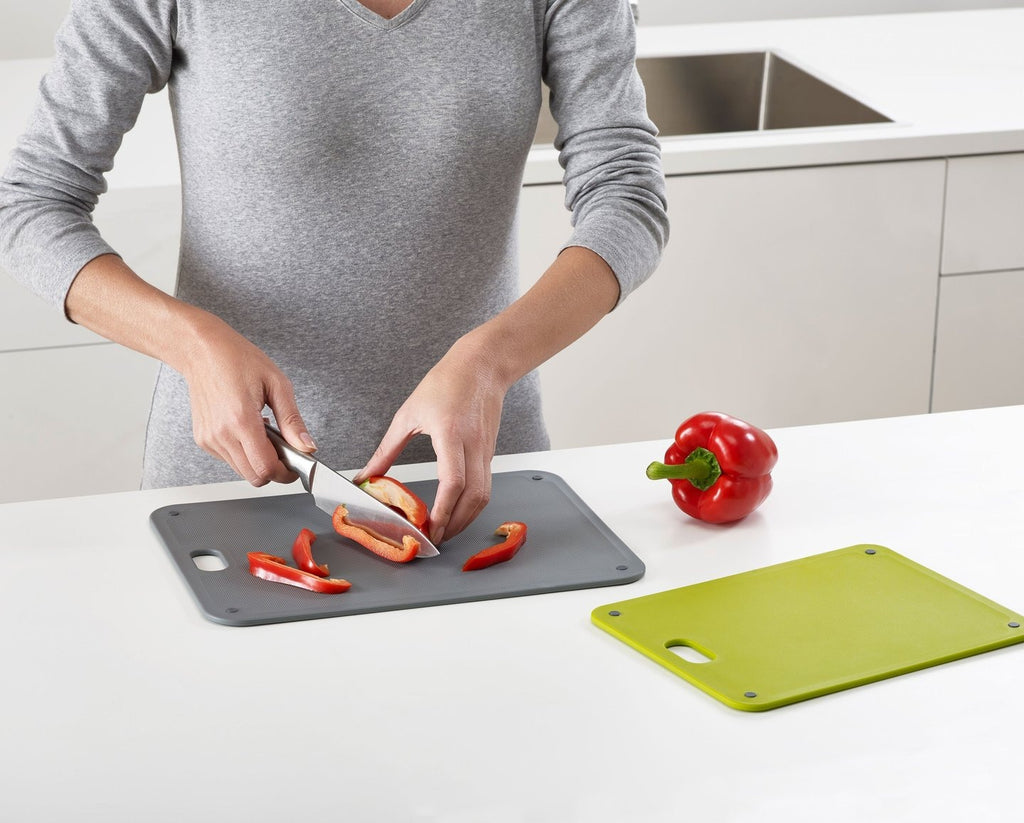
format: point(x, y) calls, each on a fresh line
point(669, 12)
point(27, 27)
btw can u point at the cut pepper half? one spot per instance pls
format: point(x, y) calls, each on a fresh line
point(302, 554)
point(514, 533)
point(276, 570)
point(376, 543)
point(392, 493)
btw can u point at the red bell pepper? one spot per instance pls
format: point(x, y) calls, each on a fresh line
point(514, 534)
point(376, 543)
point(392, 493)
point(302, 553)
point(719, 466)
point(276, 570)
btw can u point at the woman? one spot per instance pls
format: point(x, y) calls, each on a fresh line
point(350, 176)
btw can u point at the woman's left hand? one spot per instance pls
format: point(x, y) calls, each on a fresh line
point(458, 404)
point(459, 401)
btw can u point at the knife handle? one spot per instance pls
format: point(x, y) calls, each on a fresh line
point(299, 462)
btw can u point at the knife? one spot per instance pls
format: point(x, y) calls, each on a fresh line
point(329, 489)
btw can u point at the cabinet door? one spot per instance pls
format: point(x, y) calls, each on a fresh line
point(979, 346)
point(74, 420)
point(787, 297)
point(984, 211)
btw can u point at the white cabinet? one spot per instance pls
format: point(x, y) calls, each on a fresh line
point(979, 337)
point(979, 350)
point(786, 297)
point(74, 420)
point(142, 224)
point(984, 221)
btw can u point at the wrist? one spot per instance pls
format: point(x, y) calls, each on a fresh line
point(487, 356)
point(194, 333)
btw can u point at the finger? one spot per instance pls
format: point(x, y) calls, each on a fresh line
point(281, 399)
point(215, 447)
point(236, 457)
point(451, 481)
point(474, 497)
point(395, 439)
point(231, 452)
point(252, 448)
point(227, 458)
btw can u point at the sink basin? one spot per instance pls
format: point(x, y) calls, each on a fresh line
point(734, 92)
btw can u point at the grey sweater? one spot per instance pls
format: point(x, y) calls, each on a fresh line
point(349, 183)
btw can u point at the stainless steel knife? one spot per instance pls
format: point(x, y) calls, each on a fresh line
point(329, 489)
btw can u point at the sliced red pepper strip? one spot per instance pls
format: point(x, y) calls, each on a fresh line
point(302, 553)
point(719, 466)
point(392, 493)
point(376, 543)
point(514, 533)
point(276, 570)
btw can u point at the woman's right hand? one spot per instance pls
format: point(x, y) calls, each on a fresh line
point(230, 380)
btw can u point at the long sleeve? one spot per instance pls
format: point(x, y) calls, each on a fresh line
point(615, 187)
point(109, 55)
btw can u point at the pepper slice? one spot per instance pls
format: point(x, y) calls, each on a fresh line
point(376, 543)
point(276, 570)
point(514, 533)
point(392, 493)
point(302, 553)
point(719, 466)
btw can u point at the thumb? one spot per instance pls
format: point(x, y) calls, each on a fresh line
point(289, 421)
point(395, 439)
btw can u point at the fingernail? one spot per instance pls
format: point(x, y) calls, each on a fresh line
point(436, 534)
point(307, 441)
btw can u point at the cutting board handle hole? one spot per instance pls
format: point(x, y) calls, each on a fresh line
point(689, 652)
point(209, 561)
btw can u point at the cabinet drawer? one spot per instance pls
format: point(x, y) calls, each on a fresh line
point(979, 342)
point(984, 206)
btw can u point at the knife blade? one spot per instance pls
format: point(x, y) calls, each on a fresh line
point(329, 489)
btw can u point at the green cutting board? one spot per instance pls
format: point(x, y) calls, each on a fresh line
point(809, 627)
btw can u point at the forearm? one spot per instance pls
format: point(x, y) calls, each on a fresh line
point(577, 290)
point(108, 298)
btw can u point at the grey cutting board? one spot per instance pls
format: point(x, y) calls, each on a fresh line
point(567, 547)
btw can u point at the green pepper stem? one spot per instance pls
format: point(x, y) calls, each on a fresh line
point(695, 470)
point(700, 468)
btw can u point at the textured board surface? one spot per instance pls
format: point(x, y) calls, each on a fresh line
point(567, 547)
point(797, 630)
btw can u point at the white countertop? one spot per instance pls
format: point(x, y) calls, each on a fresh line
point(120, 702)
point(952, 81)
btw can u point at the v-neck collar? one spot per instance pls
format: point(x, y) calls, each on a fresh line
point(374, 19)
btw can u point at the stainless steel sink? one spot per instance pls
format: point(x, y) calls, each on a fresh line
point(733, 92)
